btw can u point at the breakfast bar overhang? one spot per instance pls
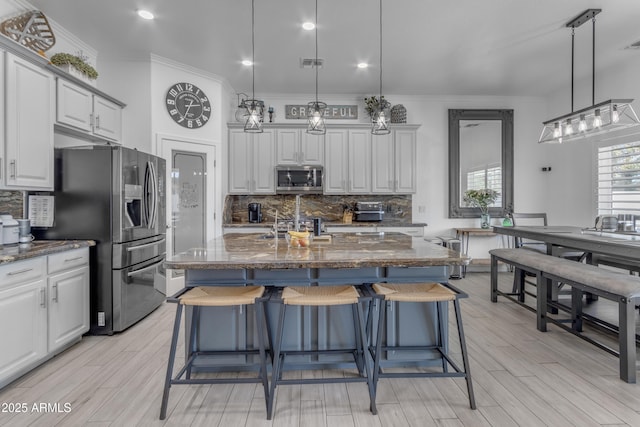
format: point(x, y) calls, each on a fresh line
point(344, 258)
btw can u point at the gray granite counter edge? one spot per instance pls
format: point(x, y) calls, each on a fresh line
point(42, 248)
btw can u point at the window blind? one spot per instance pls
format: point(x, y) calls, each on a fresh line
point(619, 179)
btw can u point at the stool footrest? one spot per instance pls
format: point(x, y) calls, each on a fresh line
point(217, 380)
point(316, 352)
point(421, 374)
point(323, 380)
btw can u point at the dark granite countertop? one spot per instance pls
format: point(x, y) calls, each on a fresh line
point(12, 253)
point(344, 250)
point(334, 224)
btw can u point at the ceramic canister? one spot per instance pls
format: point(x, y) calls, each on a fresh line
point(10, 232)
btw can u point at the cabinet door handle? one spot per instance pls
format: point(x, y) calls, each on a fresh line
point(54, 297)
point(43, 300)
point(15, 273)
point(97, 122)
point(13, 169)
point(92, 121)
point(73, 259)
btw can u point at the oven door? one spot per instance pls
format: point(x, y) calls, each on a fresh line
point(137, 291)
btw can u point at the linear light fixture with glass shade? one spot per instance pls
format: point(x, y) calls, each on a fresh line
point(598, 119)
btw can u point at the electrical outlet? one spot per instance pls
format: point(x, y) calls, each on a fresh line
point(422, 209)
point(546, 169)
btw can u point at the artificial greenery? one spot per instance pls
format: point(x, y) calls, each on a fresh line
point(372, 104)
point(76, 61)
point(481, 198)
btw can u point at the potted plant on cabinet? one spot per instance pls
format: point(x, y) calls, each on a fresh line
point(75, 65)
point(372, 104)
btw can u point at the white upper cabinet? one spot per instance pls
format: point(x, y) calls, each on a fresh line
point(29, 113)
point(252, 162)
point(394, 162)
point(354, 160)
point(80, 109)
point(359, 161)
point(336, 167)
point(297, 147)
point(405, 148)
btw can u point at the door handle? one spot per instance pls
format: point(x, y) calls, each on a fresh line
point(54, 297)
point(149, 267)
point(146, 245)
point(43, 300)
point(13, 169)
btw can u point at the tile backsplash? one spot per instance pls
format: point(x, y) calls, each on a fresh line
point(12, 202)
point(330, 208)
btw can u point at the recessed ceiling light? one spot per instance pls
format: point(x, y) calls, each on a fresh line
point(247, 63)
point(363, 65)
point(145, 14)
point(308, 26)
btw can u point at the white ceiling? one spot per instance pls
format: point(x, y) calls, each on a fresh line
point(454, 47)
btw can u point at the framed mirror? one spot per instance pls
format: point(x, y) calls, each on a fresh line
point(480, 156)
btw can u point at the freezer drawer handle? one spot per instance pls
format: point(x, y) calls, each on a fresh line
point(149, 267)
point(146, 245)
point(14, 273)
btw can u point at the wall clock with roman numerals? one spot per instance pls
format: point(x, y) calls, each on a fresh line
point(188, 105)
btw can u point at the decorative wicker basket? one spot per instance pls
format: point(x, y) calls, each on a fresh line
point(31, 29)
point(398, 114)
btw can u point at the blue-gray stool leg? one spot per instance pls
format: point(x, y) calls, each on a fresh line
point(465, 356)
point(277, 362)
point(260, 320)
point(172, 357)
point(360, 325)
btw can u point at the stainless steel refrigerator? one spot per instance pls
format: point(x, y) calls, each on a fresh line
point(115, 196)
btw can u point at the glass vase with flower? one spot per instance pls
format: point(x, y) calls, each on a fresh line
point(481, 199)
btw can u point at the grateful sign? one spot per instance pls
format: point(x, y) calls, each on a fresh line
point(332, 112)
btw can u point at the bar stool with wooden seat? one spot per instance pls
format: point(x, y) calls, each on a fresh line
point(322, 296)
point(216, 296)
point(421, 293)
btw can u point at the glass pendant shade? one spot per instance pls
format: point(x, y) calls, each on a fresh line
point(598, 119)
point(255, 115)
point(316, 124)
point(380, 125)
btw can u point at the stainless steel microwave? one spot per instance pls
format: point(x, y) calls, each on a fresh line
point(299, 179)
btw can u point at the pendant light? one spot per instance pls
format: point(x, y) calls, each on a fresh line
point(597, 119)
point(255, 108)
point(316, 109)
point(380, 124)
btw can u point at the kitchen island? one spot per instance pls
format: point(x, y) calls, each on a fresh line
point(344, 258)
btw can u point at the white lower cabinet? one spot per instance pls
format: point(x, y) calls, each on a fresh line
point(68, 297)
point(23, 317)
point(44, 306)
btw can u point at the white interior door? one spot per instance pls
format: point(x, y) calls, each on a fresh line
point(191, 199)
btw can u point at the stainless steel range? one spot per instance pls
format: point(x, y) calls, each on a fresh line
point(115, 196)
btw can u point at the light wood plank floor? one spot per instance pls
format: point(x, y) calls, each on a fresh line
point(521, 377)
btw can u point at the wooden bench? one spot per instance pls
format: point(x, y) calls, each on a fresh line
point(620, 288)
